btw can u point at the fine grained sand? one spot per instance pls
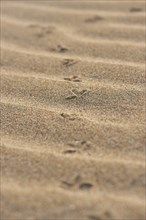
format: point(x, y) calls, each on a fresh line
point(72, 110)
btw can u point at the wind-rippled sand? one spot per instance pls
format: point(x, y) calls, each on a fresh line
point(72, 110)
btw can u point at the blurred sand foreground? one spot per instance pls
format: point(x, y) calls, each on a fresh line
point(72, 110)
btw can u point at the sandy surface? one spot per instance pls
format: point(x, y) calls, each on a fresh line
point(72, 110)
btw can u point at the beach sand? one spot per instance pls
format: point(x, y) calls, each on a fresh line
point(72, 110)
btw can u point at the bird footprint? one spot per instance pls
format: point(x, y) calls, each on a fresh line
point(77, 183)
point(135, 9)
point(69, 117)
point(41, 31)
point(77, 93)
point(94, 19)
point(85, 186)
point(85, 145)
point(73, 79)
point(69, 62)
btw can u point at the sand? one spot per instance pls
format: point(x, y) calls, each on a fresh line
point(72, 110)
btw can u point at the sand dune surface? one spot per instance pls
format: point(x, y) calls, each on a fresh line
point(73, 110)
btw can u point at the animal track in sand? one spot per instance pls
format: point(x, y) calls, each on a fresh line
point(77, 179)
point(40, 30)
point(78, 183)
point(71, 97)
point(69, 117)
point(59, 49)
point(77, 93)
point(67, 184)
point(84, 145)
point(78, 147)
point(107, 215)
point(70, 151)
point(80, 93)
point(135, 9)
point(73, 79)
point(85, 186)
point(69, 62)
point(94, 19)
